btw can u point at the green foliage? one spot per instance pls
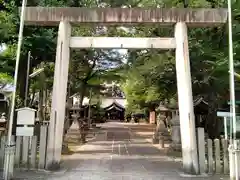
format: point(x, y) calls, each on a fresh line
point(7, 59)
point(89, 69)
point(148, 78)
point(5, 79)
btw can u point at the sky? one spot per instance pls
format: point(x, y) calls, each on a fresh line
point(2, 47)
point(123, 52)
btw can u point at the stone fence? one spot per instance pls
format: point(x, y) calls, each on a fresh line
point(30, 151)
point(213, 154)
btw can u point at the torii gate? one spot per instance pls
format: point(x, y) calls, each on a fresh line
point(65, 17)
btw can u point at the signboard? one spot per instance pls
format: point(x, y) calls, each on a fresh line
point(224, 114)
point(25, 121)
point(228, 122)
point(26, 116)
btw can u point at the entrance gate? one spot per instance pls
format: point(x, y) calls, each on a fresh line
point(65, 17)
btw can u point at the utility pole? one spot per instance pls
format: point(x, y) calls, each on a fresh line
point(10, 146)
point(27, 79)
point(233, 154)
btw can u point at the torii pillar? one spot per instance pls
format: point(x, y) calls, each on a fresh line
point(58, 106)
point(185, 101)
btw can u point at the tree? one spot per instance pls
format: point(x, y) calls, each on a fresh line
point(149, 81)
point(90, 68)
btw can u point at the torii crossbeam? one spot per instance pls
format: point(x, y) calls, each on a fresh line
point(51, 16)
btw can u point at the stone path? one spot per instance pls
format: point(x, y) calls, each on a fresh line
point(116, 154)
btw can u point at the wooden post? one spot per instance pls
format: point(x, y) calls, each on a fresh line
point(42, 148)
point(25, 151)
point(210, 156)
point(185, 101)
point(225, 156)
point(59, 95)
point(33, 152)
point(18, 150)
point(217, 156)
point(3, 141)
point(201, 150)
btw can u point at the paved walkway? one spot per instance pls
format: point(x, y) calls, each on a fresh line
point(117, 153)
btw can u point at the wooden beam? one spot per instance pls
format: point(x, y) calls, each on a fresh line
point(122, 43)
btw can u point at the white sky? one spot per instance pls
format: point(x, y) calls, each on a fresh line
point(2, 47)
point(122, 51)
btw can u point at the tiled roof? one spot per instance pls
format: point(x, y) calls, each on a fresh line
point(121, 102)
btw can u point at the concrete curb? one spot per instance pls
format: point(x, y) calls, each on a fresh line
point(61, 171)
point(182, 174)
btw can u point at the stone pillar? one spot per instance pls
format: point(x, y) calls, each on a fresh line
point(185, 101)
point(176, 133)
point(152, 117)
point(59, 95)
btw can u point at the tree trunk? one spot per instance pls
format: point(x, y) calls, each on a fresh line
point(32, 99)
point(81, 94)
point(41, 94)
point(40, 105)
point(82, 133)
point(212, 122)
point(22, 78)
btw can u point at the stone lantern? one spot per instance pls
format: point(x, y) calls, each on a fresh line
point(4, 108)
point(3, 104)
point(3, 122)
point(176, 132)
point(161, 133)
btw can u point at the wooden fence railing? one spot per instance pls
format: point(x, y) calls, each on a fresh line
point(213, 154)
point(30, 151)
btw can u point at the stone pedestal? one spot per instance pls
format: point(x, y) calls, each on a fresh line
point(155, 138)
point(9, 160)
point(162, 134)
point(176, 133)
point(83, 132)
